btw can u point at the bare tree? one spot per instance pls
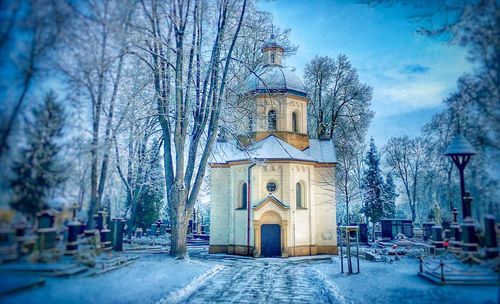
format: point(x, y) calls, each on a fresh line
point(190, 93)
point(94, 58)
point(405, 157)
point(37, 25)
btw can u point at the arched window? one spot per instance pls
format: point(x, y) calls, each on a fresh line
point(271, 120)
point(244, 196)
point(295, 126)
point(298, 196)
point(272, 58)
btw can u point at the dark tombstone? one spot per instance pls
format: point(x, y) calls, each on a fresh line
point(105, 235)
point(20, 229)
point(153, 230)
point(437, 236)
point(407, 228)
point(363, 233)
point(490, 237)
point(469, 238)
point(386, 229)
point(427, 228)
point(47, 238)
point(8, 245)
point(393, 227)
point(72, 241)
point(45, 219)
point(99, 220)
point(117, 229)
point(163, 229)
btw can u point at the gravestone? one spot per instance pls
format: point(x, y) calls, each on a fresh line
point(46, 232)
point(117, 229)
point(45, 219)
point(163, 229)
point(437, 236)
point(8, 244)
point(153, 230)
point(105, 235)
point(490, 237)
point(72, 241)
point(427, 229)
point(469, 238)
point(392, 227)
point(363, 233)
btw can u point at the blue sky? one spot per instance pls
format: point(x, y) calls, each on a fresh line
point(410, 74)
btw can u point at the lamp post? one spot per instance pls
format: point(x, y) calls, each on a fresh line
point(461, 151)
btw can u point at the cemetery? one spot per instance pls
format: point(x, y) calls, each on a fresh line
point(249, 151)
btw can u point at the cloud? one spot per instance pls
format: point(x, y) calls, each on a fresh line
point(405, 97)
point(415, 68)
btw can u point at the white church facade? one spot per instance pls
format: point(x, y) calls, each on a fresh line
point(272, 191)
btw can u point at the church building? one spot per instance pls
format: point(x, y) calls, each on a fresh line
point(272, 190)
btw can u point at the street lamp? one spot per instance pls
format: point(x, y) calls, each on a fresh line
point(460, 151)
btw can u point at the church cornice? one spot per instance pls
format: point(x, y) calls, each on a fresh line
point(288, 161)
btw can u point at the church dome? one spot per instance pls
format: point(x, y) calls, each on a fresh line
point(274, 78)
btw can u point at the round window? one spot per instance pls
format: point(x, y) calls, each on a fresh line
point(271, 187)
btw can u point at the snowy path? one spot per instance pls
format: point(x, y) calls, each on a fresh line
point(268, 281)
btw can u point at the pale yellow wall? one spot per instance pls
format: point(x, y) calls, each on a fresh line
point(278, 55)
point(325, 206)
point(284, 105)
point(238, 219)
point(219, 215)
point(314, 225)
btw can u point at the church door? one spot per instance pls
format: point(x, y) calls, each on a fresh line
point(271, 240)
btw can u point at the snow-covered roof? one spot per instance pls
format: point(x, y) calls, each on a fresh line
point(274, 148)
point(322, 150)
point(275, 79)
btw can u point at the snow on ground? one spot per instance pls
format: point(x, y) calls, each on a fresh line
point(147, 280)
point(397, 282)
point(221, 278)
point(263, 281)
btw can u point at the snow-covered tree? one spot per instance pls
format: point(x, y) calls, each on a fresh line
point(340, 104)
point(39, 169)
point(152, 199)
point(389, 195)
point(406, 159)
point(373, 183)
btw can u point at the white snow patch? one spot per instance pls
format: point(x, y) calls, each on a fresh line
point(397, 282)
point(331, 287)
point(180, 294)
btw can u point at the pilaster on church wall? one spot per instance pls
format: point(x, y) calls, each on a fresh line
point(239, 223)
point(219, 215)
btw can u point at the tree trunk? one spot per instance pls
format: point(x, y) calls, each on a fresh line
point(179, 219)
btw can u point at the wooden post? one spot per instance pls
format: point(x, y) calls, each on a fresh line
point(341, 253)
point(357, 248)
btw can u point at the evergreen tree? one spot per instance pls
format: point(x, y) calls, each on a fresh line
point(372, 183)
point(39, 170)
point(389, 196)
point(151, 201)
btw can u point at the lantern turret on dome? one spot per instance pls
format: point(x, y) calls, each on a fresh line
point(273, 51)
